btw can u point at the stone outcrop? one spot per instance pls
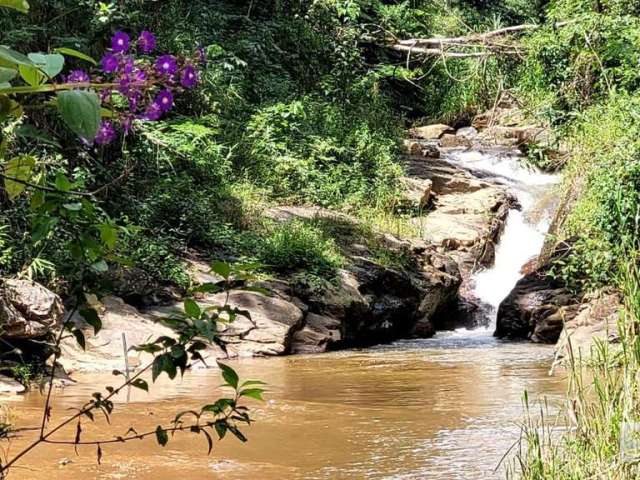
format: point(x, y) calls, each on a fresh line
point(27, 309)
point(431, 132)
point(466, 214)
point(596, 321)
point(539, 305)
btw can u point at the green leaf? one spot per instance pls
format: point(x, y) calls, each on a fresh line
point(141, 384)
point(50, 64)
point(207, 288)
point(73, 207)
point(20, 5)
point(108, 234)
point(20, 168)
point(81, 112)
point(221, 429)
point(161, 436)
point(70, 52)
point(9, 107)
point(255, 393)
point(13, 57)
point(92, 318)
point(62, 182)
point(221, 268)
point(31, 74)
point(7, 74)
point(163, 363)
point(229, 375)
point(192, 309)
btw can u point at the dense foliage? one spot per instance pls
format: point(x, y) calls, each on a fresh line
point(299, 103)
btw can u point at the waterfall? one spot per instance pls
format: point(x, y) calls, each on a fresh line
point(525, 228)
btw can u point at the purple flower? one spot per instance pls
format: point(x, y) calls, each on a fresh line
point(106, 133)
point(109, 63)
point(78, 76)
point(126, 66)
point(153, 112)
point(164, 100)
point(146, 42)
point(189, 77)
point(139, 76)
point(166, 65)
point(120, 42)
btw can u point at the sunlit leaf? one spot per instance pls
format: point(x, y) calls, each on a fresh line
point(19, 168)
point(221, 268)
point(31, 74)
point(49, 63)
point(70, 52)
point(19, 5)
point(191, 308)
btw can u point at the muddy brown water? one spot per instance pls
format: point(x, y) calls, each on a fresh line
point(445, 408)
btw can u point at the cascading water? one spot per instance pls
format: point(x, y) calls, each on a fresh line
point(521, 240)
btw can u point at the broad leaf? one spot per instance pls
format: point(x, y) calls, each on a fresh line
point(19, 5)
point(192, 309)
point(221, 268)
point(7, 74)
point(141, 384)
point(18, 168)
point(13, 57)
point(81, 112)
point(70, 52)
point(31, 74)
point(50, 64)
point(229, 375)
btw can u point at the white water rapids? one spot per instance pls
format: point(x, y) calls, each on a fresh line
point(521, 240)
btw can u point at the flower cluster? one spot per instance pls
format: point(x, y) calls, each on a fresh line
point(144, 84)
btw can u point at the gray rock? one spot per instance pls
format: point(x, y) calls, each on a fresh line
point(27, 309)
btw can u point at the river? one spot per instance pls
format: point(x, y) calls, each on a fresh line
point(444, 408)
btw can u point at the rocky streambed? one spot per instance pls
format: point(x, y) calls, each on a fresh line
point(457, 207)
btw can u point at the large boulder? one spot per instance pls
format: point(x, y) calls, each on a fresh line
point(431, 132)
point(536, 309)
point(270, 329)
point(318, 335)
point(105, 350)
point(28, 310)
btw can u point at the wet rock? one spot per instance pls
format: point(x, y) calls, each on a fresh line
point(454, 141)
point(421, 148)
point(431, 132)
point(469, 133)
point(535, 309)
point(318, 334)
point(27, 309)
point(596, 321)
